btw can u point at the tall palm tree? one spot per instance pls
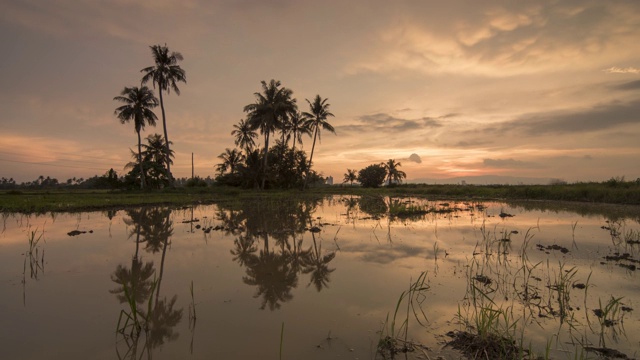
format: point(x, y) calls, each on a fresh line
point(165, 74)
point(392, 171)
point(350, 176)
point(244, 135)
point(298, 127)
point(268, 112)
point(231, 159)
point(319, 112)
point(138, 105)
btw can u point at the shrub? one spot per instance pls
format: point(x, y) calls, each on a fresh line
point(372, 175)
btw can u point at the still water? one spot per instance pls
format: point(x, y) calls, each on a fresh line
point(315, 279)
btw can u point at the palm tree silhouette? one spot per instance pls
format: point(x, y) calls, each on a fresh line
point(268, 112)
point(392, 171)
point(165, 74)
point(298, 126)
point(350, 176)
point(317, 119)
point(138, 104)
point(244, 135)
point(231, 159)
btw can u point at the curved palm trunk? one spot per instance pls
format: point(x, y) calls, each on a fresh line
point(166, 137)
point(295, 134)
point(140, 160)
point(313, 147)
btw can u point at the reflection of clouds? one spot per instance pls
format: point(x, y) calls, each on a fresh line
point(387, 254)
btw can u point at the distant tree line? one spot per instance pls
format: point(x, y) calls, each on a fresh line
point(375, 175)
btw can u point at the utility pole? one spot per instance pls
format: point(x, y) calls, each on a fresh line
point(192, 166)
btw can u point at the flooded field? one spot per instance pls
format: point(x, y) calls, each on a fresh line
point(337, 278)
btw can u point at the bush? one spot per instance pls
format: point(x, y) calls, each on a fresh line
point(195, 182)
point(372, 175)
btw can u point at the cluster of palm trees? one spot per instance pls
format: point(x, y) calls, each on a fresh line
point(139, 103)
point(274, 110)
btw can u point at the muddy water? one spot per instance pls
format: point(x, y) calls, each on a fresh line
point(313, 279)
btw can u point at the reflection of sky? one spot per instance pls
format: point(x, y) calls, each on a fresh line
point(375, 262)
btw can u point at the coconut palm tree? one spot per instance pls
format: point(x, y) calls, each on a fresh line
point(317, 119)
point(166, 74)
point(138, 105)
point(298, 127)
point(231, 159)
point(393, 173)
point(268, 112)
point(244, 135)
point(350, 176)
point(156, 152)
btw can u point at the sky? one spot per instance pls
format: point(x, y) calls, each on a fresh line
point(547, 89)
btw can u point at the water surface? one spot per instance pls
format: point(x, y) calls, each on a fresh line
point(315, 278)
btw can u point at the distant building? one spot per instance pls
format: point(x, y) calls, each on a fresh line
point(329, 180)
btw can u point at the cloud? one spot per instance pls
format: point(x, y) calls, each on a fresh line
point(631, 85)
point(510, 164)
point(387, 123)
point(506, 39)
point(599, 117)
point(619, 70)
point(415, 158)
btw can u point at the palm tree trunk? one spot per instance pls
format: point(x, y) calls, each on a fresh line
point(140, 161)
point(166, 137)
point(266, 157)
point(294, 141)
point(315, 135)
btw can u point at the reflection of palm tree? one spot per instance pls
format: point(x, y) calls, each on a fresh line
point(244, 249)
point(273, 276)
point(319, 266)
point(155, 227)
point(137, 280)
point(162, 319)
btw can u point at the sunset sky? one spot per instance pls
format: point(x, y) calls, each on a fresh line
point(546, 89)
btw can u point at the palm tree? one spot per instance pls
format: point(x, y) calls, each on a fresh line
point(244, 135)
point(268, 112)
point(231, 159)
point(317, 118)
point(392, 171)
point(166, 73)
point(138, 104)
point(298, 127)
point(156, 152)
point(350, 176)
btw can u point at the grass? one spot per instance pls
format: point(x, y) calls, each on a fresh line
point(394, 335)
point(30, 201)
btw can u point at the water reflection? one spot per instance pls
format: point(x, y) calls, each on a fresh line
point(145, 316)
point(269, 243)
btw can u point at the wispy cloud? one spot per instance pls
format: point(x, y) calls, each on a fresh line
point(622, 70)
point(510, 164)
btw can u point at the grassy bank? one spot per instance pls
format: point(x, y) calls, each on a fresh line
point(28, 201)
